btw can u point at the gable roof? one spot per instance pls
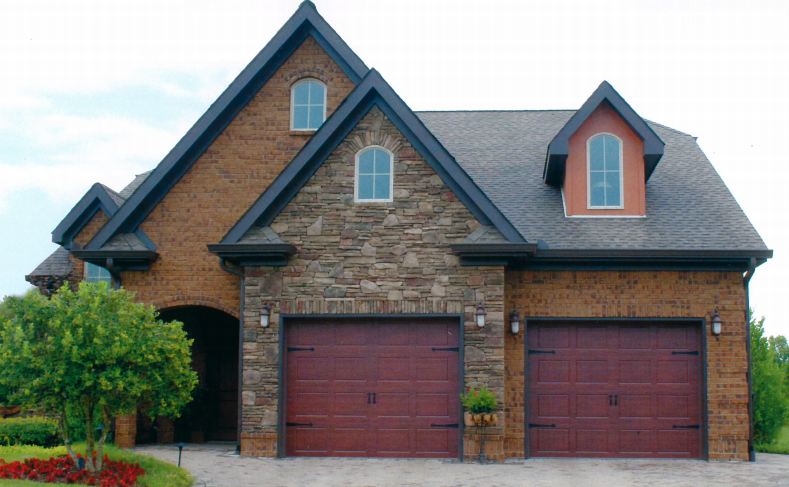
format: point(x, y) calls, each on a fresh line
point(689, 208)
point(305, 22)
point(372, 91)
point(605, 93)
point(57, 264)
point(98, 197)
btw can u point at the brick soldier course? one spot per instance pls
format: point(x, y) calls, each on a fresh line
point(246, 213)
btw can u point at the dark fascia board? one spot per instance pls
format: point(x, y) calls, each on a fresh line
point(656, 260)
point(305, 22)
point(94, 200)
point(605, 93)
point(248, 255)
point(494, 250)
point(123, 260)
point(372, 91)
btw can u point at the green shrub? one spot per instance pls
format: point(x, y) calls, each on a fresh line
point(479, 402)
point(29, 431)
point(770, 402)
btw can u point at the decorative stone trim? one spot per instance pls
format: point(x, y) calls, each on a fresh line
point(258, 444)
point(181, 301)
point(296, 75)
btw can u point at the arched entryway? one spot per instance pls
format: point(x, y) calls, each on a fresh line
point(213, 413)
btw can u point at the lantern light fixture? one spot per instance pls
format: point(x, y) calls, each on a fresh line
point(716, 323)
point(515, 319)
point(265, 315)
point(481, 315)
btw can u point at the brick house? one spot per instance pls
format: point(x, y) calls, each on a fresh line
point(347, 266)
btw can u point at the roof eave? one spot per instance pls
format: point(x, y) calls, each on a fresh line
point(249, 255)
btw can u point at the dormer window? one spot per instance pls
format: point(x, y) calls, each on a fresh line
point(308, 105)
point(604, 172)
point(374, 175)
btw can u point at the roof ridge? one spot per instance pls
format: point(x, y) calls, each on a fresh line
point(667, 127)
point(497, 111)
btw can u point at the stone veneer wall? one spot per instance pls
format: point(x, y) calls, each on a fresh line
point(370, 258)
point(642, 294)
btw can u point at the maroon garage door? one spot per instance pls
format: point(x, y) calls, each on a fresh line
point(372, 388)
point(614, 389)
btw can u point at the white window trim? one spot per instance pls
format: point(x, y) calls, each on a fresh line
point(589, 174)
point(293, 102)
point(356, 176)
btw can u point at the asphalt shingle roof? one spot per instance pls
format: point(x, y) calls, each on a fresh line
point(56, 264)
point(132, 187)
point(688, 206)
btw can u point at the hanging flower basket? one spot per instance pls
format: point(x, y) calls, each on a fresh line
point(480, 405)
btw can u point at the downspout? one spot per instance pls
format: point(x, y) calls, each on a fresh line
point(116, 275)
point(746, 279)
point(240, 273)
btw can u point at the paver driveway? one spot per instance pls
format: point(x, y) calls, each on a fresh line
point(216, 466)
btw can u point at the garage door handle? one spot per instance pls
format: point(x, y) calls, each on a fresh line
point(450, 349)
point(693, 427)
point(296, 349)
point(534, 425)
point(541, 351)
point(368, 397)
point(374, 398)
point(685, 353)
point(299, 424)
point(616, 399)
point(610, 399)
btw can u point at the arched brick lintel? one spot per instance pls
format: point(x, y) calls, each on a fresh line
point(172, 302)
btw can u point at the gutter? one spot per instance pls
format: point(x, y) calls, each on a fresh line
point(240, 273)
point(746, 280)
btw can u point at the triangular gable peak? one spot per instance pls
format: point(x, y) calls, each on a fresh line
point(372, 91)
point(97, 198)
point(305, 22)
point(558, 148)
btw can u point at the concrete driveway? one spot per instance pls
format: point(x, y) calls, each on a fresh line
point(218, 466)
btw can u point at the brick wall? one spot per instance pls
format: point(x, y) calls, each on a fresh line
point(223, 183)
point(369, 258)
point(609, 294)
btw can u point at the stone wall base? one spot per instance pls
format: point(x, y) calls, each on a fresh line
point(494, 448)
point(258, 444)
point(125, 430)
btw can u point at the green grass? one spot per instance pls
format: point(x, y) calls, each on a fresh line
point(781, 445)
point(157, 472)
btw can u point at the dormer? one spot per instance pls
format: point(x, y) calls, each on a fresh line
point(603, 157)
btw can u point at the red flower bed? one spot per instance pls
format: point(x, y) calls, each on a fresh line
point(62, 471)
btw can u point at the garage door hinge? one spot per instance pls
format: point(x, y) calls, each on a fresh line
point(535, 425)
point(541, 351)
point(693, 427)
point(685, 353)
point(450, 349)
point(453, 425)
point(299, 424)
point(294, 349)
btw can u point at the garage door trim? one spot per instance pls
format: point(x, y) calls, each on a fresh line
point(284, 319)
point(699, 322)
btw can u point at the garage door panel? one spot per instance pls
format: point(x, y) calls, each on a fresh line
point(675, 406)
point(373, 389)
point(552, 371)
point(635, 441)
point(591, 371)
point(552, 337)
point(639, 397)
point(591, 440)
point(553, 405)
point(635, 372)
point(673, 372)
point(592, 406)
point(591, 338)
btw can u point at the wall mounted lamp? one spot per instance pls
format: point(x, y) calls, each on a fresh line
point(716, 323)
point(515, 321)
point(265, 315)
point(481, 315)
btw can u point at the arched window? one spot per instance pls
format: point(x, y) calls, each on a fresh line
point(307, 105)
point(374, 175)
point(604, 172)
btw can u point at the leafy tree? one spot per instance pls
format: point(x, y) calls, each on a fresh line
point(771, 402)
point(94, 351)
point(781, 348)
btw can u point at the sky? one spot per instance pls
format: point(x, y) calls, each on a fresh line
point(100, 91)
